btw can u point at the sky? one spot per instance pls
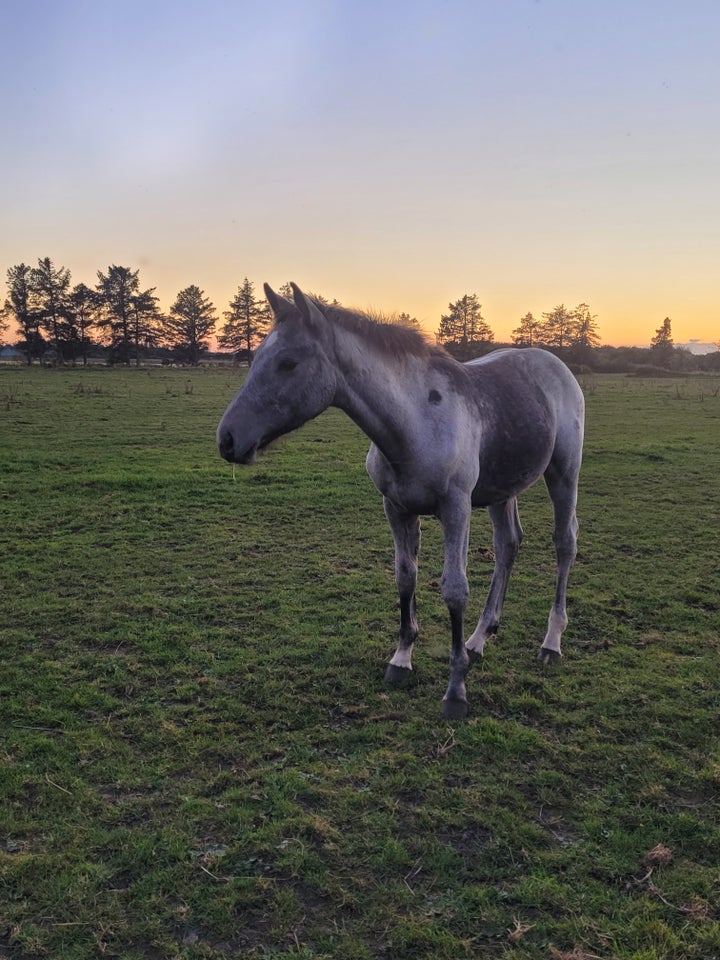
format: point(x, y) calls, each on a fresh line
point(392, 154)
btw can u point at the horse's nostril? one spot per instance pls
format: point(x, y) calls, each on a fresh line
point(226, 444)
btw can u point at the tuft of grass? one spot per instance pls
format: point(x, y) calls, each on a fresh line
point(198, 758)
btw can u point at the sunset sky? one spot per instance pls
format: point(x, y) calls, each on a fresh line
point(394, 154)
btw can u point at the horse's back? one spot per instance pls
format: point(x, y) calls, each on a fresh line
point(517, 359)
point(534, 411)
point(526, 373)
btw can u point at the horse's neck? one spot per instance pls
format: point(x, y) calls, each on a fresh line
point(379, 395)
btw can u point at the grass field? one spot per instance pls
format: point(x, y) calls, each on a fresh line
point(198, 757)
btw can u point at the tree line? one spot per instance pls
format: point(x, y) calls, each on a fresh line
point(572, 333)
point(69, 323)
point(466, 334)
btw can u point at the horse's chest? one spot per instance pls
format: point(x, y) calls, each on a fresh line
point(416, 484)
point(406, 487)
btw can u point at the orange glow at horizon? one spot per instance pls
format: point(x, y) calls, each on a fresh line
point(620, 321)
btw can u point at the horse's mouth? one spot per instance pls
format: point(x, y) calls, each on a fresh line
point(249, 456)
point(228, 451)
point(244, 456)
point(268, 438)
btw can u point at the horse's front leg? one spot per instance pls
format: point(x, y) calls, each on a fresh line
point(455, 519)
point(406, 534)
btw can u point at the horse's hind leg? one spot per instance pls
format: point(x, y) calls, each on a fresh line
point(507, 537)
point(562, 487)
point(406, 534)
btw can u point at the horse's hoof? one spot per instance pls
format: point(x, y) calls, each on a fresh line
point(473, 656)
point(549, 657)
point(398, 676)
point(455, 709)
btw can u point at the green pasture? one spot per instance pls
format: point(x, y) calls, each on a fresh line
point(198, 756)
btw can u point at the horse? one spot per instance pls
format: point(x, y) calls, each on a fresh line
point(445, 437)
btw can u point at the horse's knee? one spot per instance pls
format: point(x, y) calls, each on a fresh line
point(455, 592)
point(406, 577)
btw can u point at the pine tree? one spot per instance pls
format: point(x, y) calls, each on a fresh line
point(526, 335)
point(145, 318)
point(557, 328)
point(83, 311)
point(584, 337)
point(18, 306)
point(662, 343)
point(50, 286)
point(190, 323)
point(463, 330)
point(116, 290)
point(247, 321)
point(584, 328)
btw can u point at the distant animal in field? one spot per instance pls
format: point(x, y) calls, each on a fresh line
point(446, 437)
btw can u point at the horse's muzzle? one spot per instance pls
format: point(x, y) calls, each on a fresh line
point(228, 451)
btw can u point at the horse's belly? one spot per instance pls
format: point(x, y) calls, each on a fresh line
point(509, 472)
point(489, 490)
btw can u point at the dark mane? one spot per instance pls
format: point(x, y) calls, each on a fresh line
point(390, 339)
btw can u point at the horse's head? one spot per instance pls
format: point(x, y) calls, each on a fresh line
point(291, 380)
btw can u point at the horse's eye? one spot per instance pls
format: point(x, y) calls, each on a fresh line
point(286, 364)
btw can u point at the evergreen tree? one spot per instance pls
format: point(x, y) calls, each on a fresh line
point(584, 329)
point(50, 286)
point(463, 330)
point(82, 316)
point(526, 335)
point(116, 290)
point(557, 327)
point(145, 321)
point(19, 307)
point(247, 321)
point(584, 337)
point(190, 322)
point(661, 344)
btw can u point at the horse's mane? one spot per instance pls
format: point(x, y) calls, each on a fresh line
point(390, 339)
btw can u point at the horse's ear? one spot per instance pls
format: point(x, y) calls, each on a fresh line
point(308, 309)
point(277, 303)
